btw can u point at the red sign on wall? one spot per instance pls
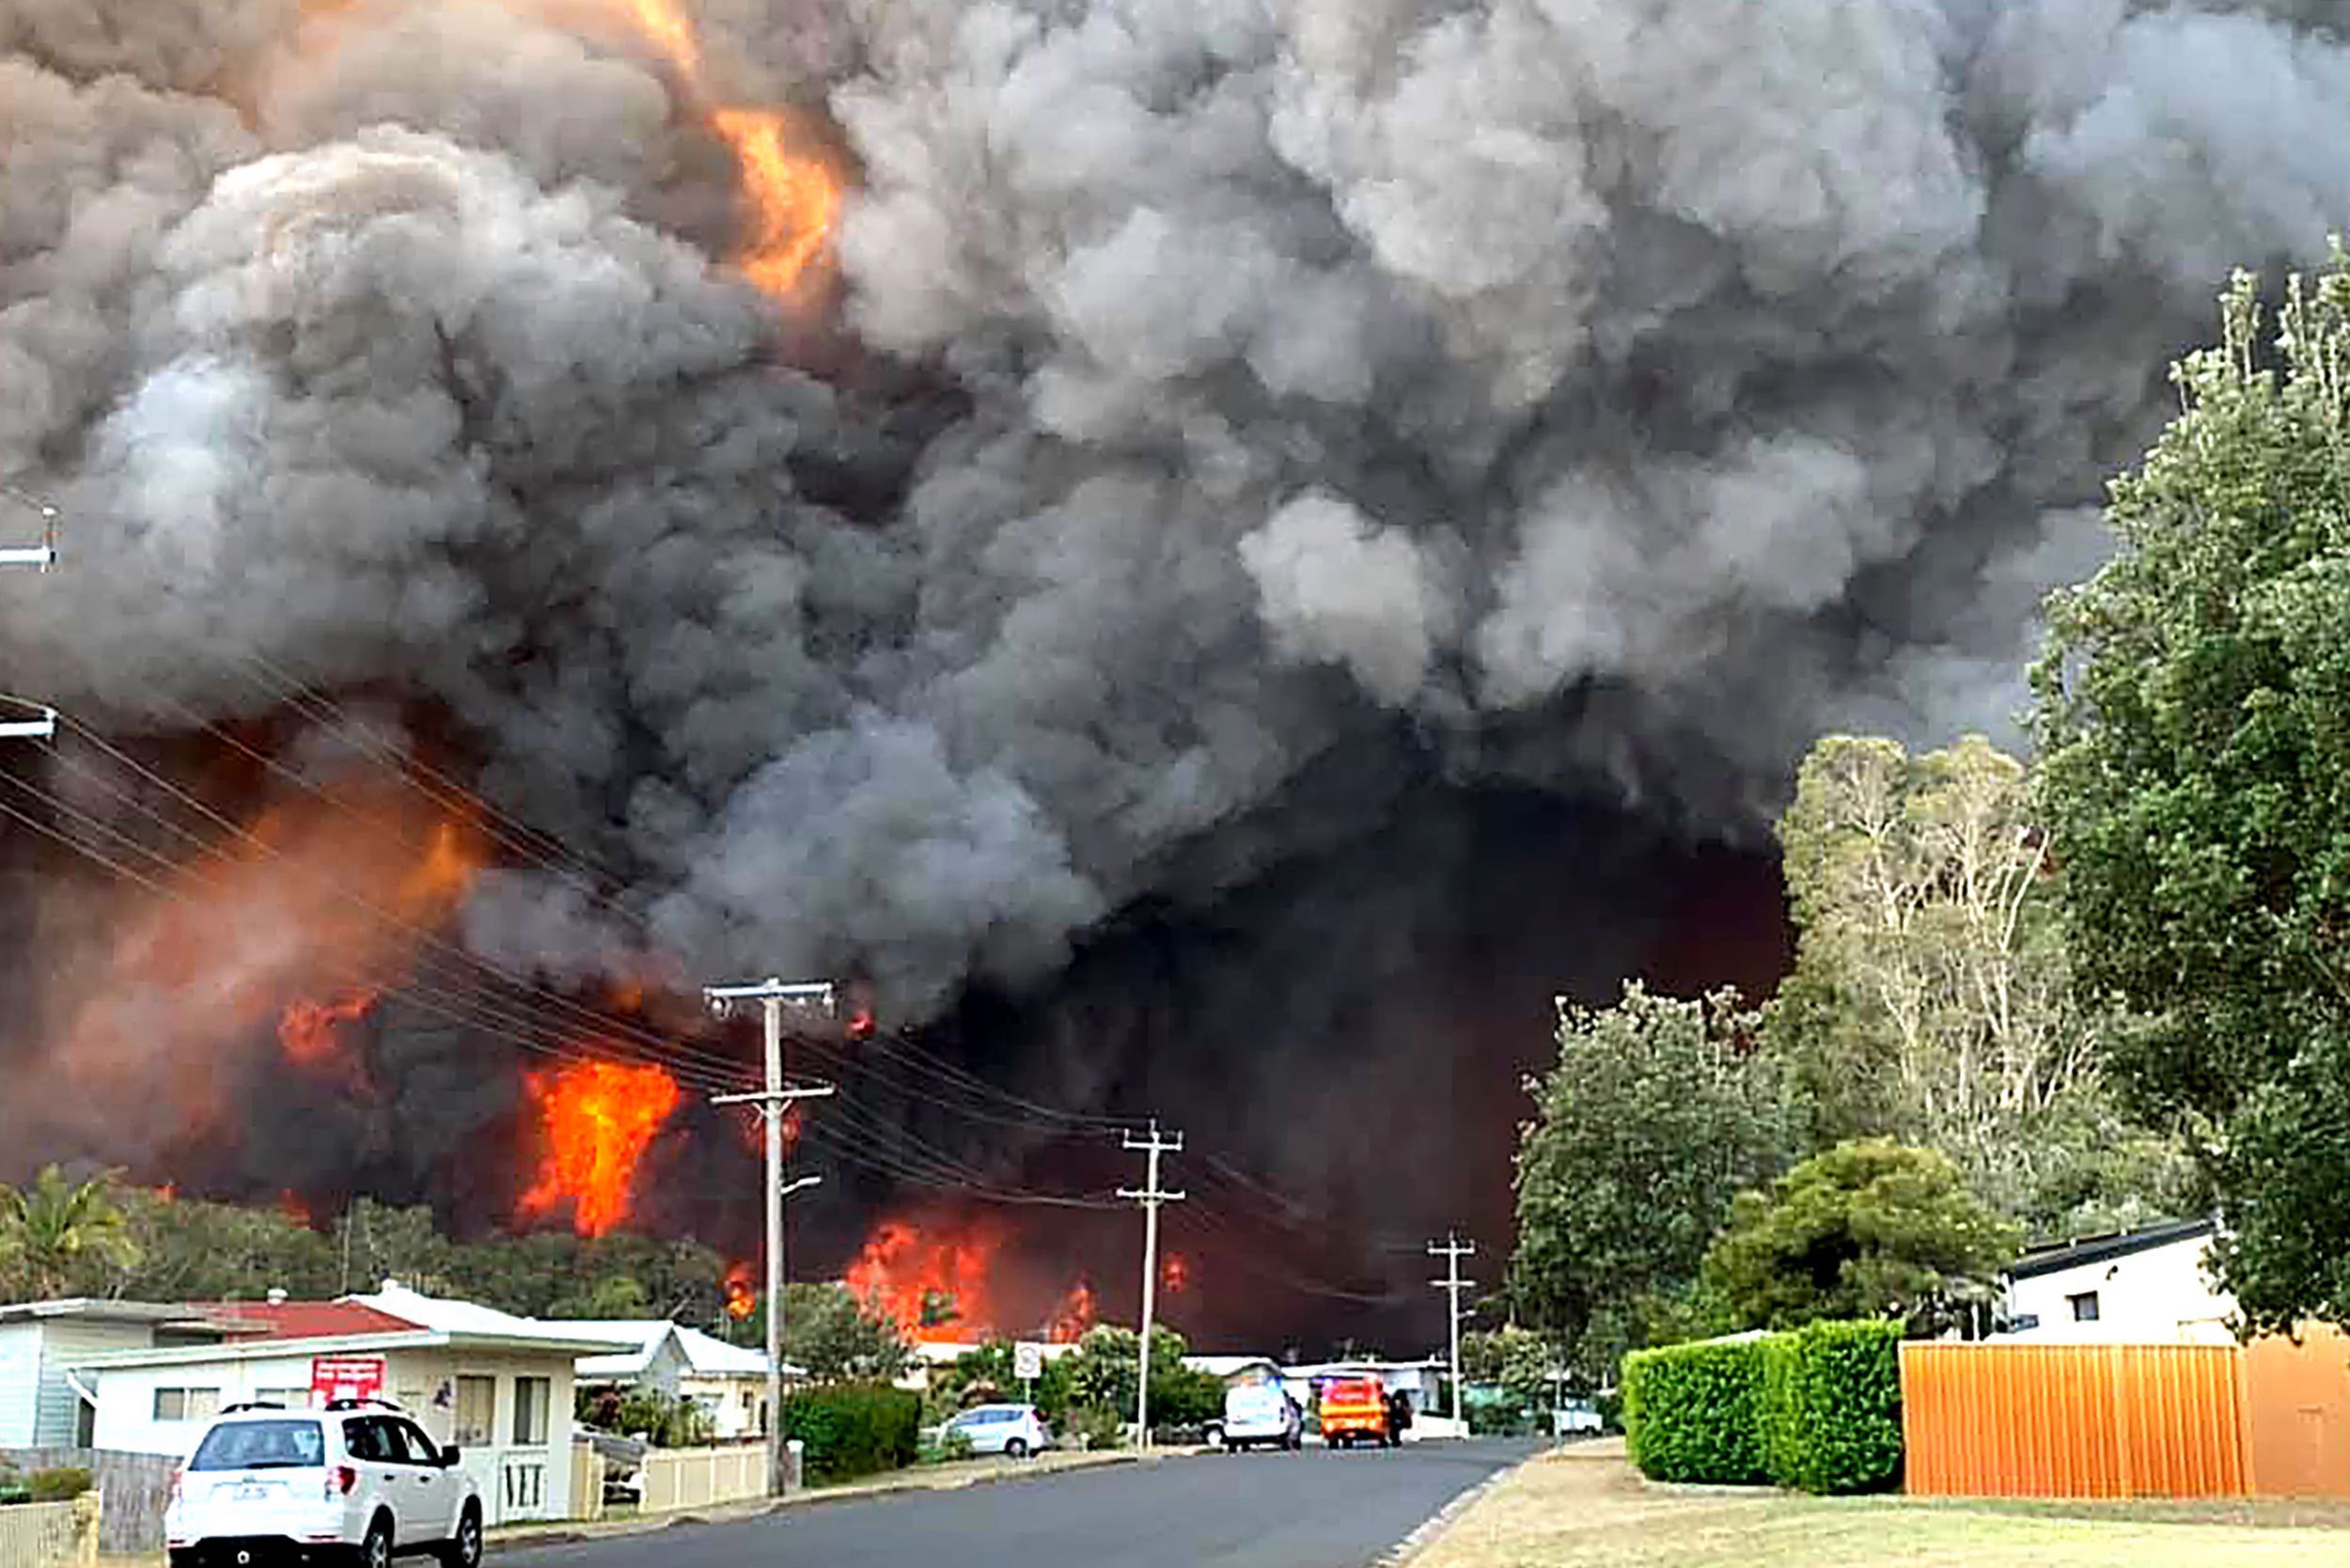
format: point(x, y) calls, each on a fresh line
point(334, 1377)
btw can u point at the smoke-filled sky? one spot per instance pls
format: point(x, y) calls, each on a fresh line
point(1227, 436)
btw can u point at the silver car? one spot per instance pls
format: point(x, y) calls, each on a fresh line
point(1013, 1430)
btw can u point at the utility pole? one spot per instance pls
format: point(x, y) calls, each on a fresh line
point(773, 1101)
point(1452, 1252)
point(1149, 1197)
point(41, 558)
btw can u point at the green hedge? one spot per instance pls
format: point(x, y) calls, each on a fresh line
point(1693, 1412)
point(1832, 1407)
point(854, 1429)
point(1817, 1409)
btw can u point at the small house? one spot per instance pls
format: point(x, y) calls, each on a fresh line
point(2148, 1286)
point(727, 1383)
point(496, 1386)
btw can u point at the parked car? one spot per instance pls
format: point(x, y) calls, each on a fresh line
point(1574, 1417)
point(1258, 1414)
point(1354, 1410)
point(356, 1478)
point(1013, 1430)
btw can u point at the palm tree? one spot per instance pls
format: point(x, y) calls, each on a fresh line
point(50, 1227)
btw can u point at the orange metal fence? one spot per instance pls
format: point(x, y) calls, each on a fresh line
point(2128, 1420)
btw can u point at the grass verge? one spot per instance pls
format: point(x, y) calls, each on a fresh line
point(1586, 1508)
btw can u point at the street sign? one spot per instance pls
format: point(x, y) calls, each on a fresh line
point(1027, 1360)
point(334, 1377)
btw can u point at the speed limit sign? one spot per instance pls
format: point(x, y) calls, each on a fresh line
point(1027, 1360)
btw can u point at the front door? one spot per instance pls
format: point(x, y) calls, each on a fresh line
point(474, 1430)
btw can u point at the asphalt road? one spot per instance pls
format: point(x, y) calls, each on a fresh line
point(1311, 1509)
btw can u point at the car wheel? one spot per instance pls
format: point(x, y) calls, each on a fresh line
point(375, 1547)
point(1016, 1449)
point(465, 1551)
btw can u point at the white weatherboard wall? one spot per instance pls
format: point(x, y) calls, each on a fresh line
point(2160, 1296)
point(38, 1408)
point(19, 1382)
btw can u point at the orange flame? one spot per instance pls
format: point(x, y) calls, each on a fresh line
point(598, 1117)
point(1175, 1273)
point(310, 1034)
point(290, 1204)
point(741, 1299)
point(792, 200)
point(1072, 1317)
point(929, 1285)
point(344, 889)
point(795, 201)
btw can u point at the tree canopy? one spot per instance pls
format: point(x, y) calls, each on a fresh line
point(1867, 1228)
point(1932, 996)
point(2193, 721)
point(54, 1230)
point(1657, 1113)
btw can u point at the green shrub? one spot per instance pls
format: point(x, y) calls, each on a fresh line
point(1832, 1407)
point(59, 1486)
point(1094, 1427)
point(854, 1429)
point(1693, 1412)
point(1817, 1409)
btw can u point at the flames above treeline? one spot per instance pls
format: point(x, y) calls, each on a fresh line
point(304, 935)
point(948, 1278)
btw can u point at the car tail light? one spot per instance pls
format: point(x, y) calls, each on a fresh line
point(339, 1480)
point(176, 1478)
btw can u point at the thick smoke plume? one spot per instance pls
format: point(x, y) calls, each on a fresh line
point(1594, 395)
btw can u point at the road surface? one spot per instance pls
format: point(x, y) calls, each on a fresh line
point(1311, 1509)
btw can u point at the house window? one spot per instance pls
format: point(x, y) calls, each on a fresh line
point(2084, 1307)
point(530, 1411)
point(186, 1404)
point(292, 1399)
point(476, 1411)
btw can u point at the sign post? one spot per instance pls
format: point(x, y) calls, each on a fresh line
point(1027, 1364)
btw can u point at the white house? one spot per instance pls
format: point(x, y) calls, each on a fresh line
point(727, 1382)
point(2144, 1287)
point(496, 1386)
point(40, 1340)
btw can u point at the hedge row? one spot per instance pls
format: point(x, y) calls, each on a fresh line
point(1819, 1410)
point(854, 1429)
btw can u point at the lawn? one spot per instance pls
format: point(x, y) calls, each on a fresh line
point(1586, 1508)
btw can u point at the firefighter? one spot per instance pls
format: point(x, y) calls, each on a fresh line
point(1399, 1418)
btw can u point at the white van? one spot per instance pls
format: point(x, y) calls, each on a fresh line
point(1259, 1414)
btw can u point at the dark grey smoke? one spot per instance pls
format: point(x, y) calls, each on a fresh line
point(1598, 396)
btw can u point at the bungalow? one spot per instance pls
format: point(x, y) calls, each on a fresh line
point(2148, 1286)
point(498, 1386)
point(726, 1382)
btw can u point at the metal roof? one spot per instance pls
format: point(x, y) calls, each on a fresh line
point(2098, 1250)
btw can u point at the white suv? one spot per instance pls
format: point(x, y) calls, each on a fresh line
point(356, 1480)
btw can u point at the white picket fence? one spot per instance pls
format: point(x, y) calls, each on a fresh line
point(50, 1535)
point(696, 1478)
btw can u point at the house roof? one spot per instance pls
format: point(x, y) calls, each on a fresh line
point(468, 1320)
point(1225, 1366)
point(302, 1320)
point(394, 1318)
point(2099, 1249)
point(704, 1354)
point(100, 1310)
